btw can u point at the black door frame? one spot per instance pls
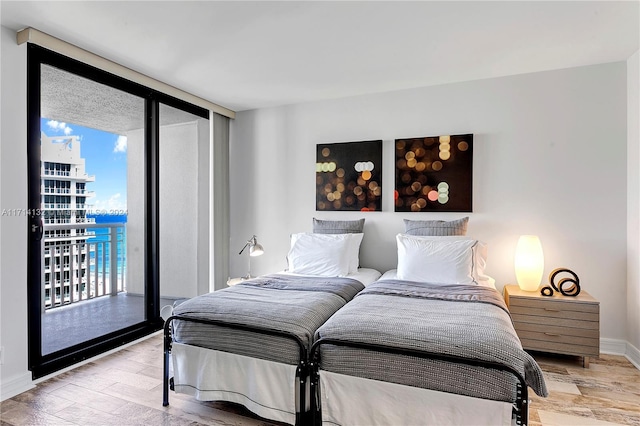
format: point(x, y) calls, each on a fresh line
point(39, 364)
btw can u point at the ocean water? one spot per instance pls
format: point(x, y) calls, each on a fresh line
point(102, 235)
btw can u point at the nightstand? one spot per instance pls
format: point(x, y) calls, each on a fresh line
point(556, 324)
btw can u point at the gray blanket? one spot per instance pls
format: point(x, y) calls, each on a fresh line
point(463, 321)
point(298, 305)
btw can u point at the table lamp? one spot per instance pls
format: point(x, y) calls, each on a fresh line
point(255, 249)
point(529, 262)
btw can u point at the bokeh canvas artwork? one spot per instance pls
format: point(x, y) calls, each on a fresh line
point(349, 176)
point(434, 174)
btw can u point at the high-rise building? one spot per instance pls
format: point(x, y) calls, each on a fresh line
point(64, 204)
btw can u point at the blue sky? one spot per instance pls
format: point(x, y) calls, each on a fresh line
point(105, 157)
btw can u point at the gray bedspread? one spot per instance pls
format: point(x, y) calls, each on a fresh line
point(298, 305)
point(459, 320)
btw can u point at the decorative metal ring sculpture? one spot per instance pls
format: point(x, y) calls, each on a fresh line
point(566, 286)
point(546, 291)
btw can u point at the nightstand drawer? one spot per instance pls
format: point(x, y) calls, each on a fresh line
point(562, 347)
point(550, 337)
point(555, 313)
point(550, 306)
point(553, 320)
point(591, 330)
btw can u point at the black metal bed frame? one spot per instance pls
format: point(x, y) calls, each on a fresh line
point(520, 406)
point(302, 370)
point(309, 368)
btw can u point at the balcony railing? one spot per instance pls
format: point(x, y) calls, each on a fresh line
point(67, 220)
point(53, 190)
point(49, 172)
point(57, 205)
point(75, 270)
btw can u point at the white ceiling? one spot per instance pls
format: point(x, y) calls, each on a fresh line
point(246, 55)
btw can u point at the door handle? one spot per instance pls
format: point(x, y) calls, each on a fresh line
point(37, 228)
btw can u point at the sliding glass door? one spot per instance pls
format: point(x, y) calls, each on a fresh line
point(94, 185)
point(84, 204)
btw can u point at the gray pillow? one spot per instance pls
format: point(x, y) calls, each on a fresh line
point(338, 226)
point(438, 228)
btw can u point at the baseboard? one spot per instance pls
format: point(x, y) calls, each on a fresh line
point(621, 347)
point(13, 387)
point(633, 355)
point(613, 346)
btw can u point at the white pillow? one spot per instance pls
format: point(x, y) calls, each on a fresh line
point(440, 260)
point(480, 252)
point(325, 255)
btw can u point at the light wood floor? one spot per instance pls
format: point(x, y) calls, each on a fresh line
point(125, 388)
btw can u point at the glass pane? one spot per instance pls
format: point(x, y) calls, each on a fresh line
point(92, 152)
point(184, 204)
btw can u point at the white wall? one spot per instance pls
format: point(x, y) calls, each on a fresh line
point(184, 210)
point(549, 159)
point(14, 376)
point(633, 207)
point(180, 209)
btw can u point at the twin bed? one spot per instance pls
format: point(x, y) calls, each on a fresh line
point(250, 343)
point(359, 349)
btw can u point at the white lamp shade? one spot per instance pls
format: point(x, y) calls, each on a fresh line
point(529, 262)
point(256, 250)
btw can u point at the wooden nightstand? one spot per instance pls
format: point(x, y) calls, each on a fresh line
point(557, 324)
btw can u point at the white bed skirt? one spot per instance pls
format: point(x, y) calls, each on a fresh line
point(348, 400)
point(266, 388)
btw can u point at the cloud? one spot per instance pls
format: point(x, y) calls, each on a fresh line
point(114, 204)
point(121, 144)
point(59, 126)
point(114, 200)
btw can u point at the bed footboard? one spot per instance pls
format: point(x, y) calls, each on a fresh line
point(520, 406)
point(302, 370)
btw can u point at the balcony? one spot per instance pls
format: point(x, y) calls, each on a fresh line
point(101, 258)
point(56, 206)
point(84, 289)
point(72, 175)
point(71, 324)
point(57, 173)
point(85, 220)
point(53, 190)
